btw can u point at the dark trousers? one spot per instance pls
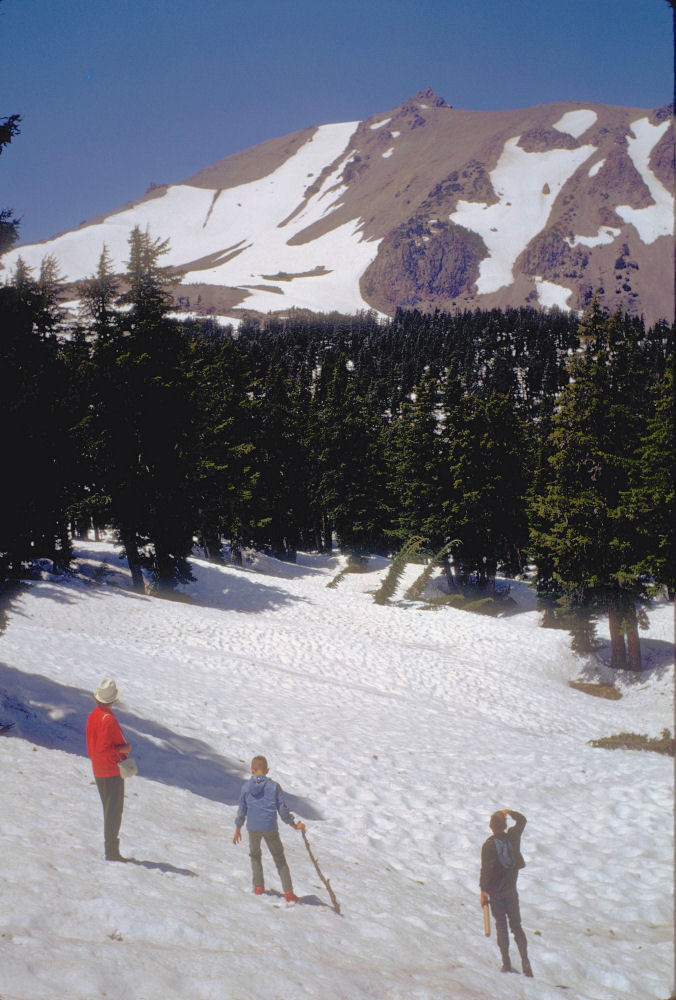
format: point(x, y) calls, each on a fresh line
point(111, 791)
point(507, 908)
point(274, 843)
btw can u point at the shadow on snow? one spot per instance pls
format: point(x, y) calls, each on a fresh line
point(238, 593)
point(54, 715)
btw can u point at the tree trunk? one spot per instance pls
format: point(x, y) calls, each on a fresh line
point(134, 561)
point(633, 641)
point(618, 652)
point(319, 544)
point(165, 568)
point(63, 552)
point(448, 573)
point(211, 544)
point(327, 536)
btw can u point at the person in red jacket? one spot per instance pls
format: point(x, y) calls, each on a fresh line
point(106, 747)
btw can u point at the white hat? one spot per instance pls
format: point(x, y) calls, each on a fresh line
point(107, 692)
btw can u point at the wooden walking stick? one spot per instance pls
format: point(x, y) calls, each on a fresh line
point(336, 905)
point(487, 920)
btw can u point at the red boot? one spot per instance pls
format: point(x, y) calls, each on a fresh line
point(259, 890)
point(291, 897)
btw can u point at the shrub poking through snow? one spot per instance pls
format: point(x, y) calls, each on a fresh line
point(635, 741)
point(411, 551)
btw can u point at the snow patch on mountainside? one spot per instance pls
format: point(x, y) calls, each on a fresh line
point(550, 294)
point(252, 224)
point(605, 235)
point(575, 123)
point(508, 226)
point(657, 219)
point(310, 219)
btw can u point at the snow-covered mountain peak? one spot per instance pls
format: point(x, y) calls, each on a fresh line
point(424, 206)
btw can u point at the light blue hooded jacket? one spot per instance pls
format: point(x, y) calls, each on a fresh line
point(260, 800)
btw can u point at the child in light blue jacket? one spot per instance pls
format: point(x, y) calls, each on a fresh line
point(260, 800)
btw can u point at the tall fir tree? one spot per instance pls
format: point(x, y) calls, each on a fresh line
point(419, 465)
point(348, 449)
point(98, 295)
point(583, 536)
point(38, 457)
point(486, 508)
point(147, 426)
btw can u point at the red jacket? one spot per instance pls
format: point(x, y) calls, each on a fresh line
point(104, 742)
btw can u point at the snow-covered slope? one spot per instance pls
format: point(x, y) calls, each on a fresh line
point(428, 206)
point(395, 730)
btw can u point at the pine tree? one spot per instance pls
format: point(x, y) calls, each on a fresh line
point(219, 381)
point(650, 503)
point(146, 426)
point(9, 226)
point(150, 285)
point(419, 461)
point(37, 456)
point(279, 508)
point(583, 536)
point(486, 509)
point(348, 452)
point(98, 295)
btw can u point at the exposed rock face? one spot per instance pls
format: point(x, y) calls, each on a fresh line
point(420, 264)
point(424, 206)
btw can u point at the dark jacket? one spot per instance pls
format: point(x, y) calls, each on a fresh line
point(501, 860)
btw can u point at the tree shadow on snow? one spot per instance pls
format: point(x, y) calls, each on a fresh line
point(55, 715)
point(245, 592)
point(657, 657)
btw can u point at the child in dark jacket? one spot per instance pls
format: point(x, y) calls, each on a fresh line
point(501, 861)
point(260, 800)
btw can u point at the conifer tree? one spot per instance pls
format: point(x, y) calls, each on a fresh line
point(146, 425)
point(150, 284)
point(9, 226)
point(350, 468)
point(279, 503)
point(650, 503)
point(486, 509)
point(99, 295)
point(584, 539)
point(219, 381)
point(420, 471)
point(37, 457)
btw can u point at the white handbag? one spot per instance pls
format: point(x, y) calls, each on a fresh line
point(128, 767)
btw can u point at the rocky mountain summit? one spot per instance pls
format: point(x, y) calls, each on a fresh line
point(425, 206)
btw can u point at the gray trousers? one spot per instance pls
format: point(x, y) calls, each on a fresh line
point(111, 791)
point(274, 844)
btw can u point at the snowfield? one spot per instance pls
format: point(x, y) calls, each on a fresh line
point(249, 228)
point(395, 731)
point(527, 185)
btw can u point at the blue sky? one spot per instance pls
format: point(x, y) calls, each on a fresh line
point(116, 95)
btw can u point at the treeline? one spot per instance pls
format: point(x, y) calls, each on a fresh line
point(504, 436)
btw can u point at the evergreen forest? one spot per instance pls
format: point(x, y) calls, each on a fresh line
point(491, 440)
